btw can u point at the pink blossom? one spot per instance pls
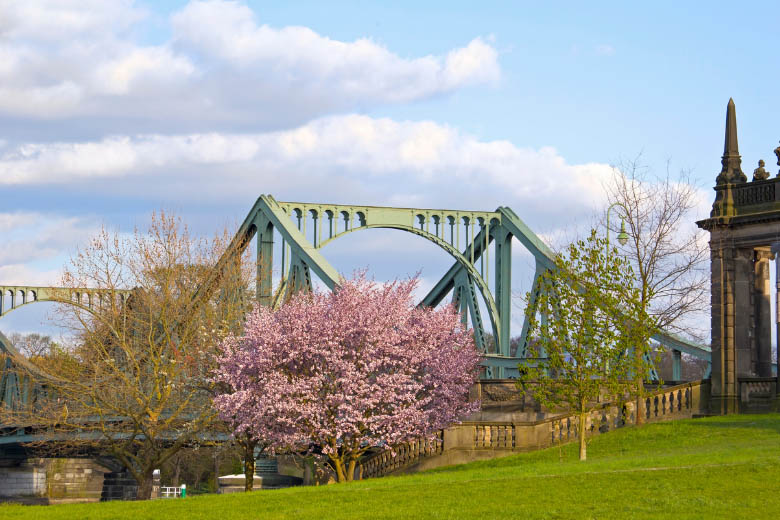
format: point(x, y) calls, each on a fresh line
point(347, 370)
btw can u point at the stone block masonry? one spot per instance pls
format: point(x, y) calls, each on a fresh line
point(744, 227)
point(26, 479)
point(51, 480)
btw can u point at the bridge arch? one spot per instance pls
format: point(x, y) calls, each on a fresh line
point(452, 251)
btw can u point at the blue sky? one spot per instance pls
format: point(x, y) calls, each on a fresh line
point(112, 109)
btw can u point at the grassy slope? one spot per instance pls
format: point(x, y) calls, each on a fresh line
point(724, 467)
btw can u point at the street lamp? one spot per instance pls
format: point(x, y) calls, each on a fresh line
point(622, 236)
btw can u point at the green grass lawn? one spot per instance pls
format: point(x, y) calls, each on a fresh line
point(722, 467)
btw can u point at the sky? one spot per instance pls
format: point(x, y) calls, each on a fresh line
point(110, 110)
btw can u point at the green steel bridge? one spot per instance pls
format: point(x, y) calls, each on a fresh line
point(478, 282)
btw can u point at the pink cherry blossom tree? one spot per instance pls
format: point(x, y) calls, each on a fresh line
point(348, 370)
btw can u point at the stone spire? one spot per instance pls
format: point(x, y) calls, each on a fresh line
point(731, 160)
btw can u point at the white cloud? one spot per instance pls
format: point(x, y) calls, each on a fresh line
point(339, 159)
point(119, 76)
point(475, 63)
point(227, 32)
point(21, 274)
point(381, 161)
point(41, 239)
point(73, 59)
point(12, 221)
point(55, 21)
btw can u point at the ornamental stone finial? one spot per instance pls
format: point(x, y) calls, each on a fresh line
point(777, 153)
point(731, 160)
point(760, 174)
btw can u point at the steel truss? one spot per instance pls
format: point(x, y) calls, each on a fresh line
point(465, 235)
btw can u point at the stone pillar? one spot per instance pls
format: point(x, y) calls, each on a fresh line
point(745, 218)
point(743, 312)
point(763, 314)
point(724, 381)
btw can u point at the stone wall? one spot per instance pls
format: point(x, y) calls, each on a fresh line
point(50, 480)
point(120, 485)
point(24, 479)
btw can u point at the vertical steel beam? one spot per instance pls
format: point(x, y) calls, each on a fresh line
point(522, 345)
point(265, 257)
point(676, 365)
point(503, 286)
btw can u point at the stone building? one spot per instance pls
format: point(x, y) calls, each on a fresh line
point(744, 228)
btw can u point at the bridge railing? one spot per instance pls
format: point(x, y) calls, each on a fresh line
point(475, 440)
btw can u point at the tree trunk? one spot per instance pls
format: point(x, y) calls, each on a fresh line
point(216, 471)
point(249, 470)
point(583, 445)
point(351, 469)
point(640, 402)
point(338, 465)
point(177, 471)
point(640, 378)
point(144, 491)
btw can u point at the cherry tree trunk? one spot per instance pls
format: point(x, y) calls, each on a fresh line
point(249, 473)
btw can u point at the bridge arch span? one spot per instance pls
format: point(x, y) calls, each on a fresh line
point(449, 249)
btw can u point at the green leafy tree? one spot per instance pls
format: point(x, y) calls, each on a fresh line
point(591, 332)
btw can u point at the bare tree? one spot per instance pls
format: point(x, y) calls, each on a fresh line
point(33, 345)
point(135, 384)
point(665, 249)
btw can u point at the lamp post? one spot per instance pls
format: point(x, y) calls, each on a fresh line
point(623, 239)
point(622, 235)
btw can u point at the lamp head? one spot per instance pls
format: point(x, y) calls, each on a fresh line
point(622, 236)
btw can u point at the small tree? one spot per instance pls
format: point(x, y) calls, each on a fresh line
point(585, 350)
point(346, 371)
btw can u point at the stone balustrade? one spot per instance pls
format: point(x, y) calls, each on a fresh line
point(757, 394)
point(756, 193)
point(407, 454)
point(495, 436)
point(476, 440)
